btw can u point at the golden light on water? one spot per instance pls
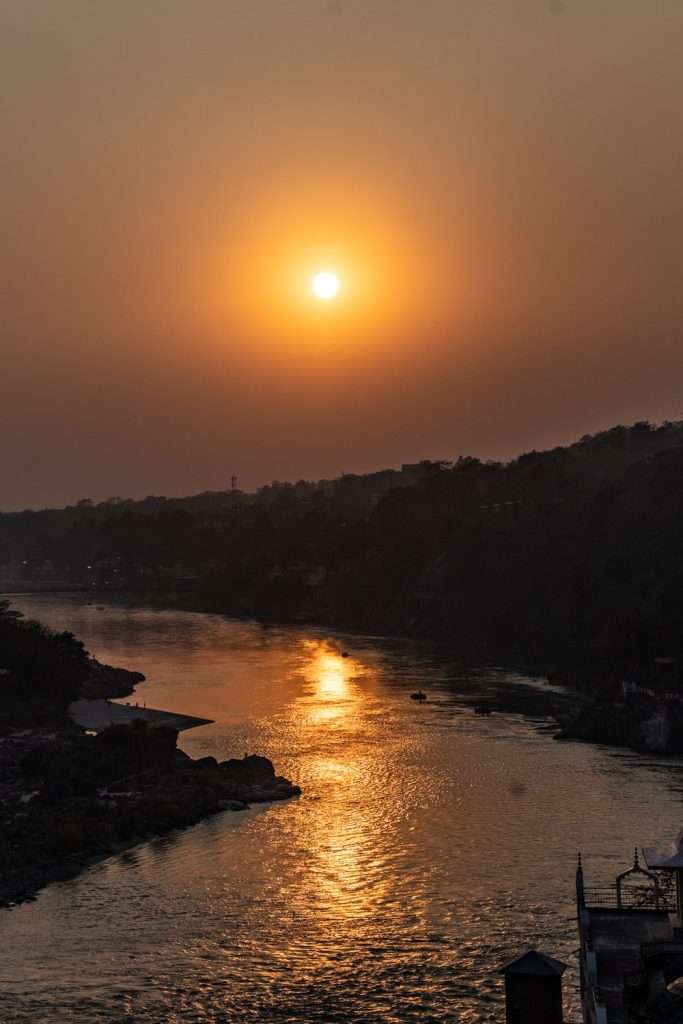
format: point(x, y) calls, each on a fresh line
point(330, 678)
point(337, 703)
point(334, 693)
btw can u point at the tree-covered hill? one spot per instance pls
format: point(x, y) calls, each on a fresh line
point(573, 555)
point(41, 672)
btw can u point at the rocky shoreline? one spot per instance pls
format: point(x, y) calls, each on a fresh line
point(106, 681)
point(644, 722)
point(69, 800)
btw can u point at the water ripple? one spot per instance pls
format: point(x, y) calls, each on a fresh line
point(430, 845)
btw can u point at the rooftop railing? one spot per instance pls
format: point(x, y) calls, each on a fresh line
point(646, 898)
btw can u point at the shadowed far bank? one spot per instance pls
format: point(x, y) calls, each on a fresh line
point(565, 560)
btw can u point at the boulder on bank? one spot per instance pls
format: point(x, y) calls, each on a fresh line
point(647, 724)
point(69, 797)
point(84, 763)
point(251, 770)
point(655, 733)
point(204, 762)
point(253, 780)
point(106, 681)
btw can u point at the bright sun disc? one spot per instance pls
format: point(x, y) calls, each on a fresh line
point(325, 284)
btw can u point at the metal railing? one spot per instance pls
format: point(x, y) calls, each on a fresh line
point(645, 898)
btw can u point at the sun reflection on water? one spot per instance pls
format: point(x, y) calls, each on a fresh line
point(371, 898)
point(337, 706)
point(333, 692)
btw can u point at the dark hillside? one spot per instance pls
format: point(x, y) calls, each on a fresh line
point(572, 556)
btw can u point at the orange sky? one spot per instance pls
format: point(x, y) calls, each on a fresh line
point(498, 185)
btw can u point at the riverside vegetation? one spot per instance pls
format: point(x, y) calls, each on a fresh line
point(568, 560)
point(67, 797)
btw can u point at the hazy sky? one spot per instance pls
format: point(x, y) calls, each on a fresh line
point(497, 182)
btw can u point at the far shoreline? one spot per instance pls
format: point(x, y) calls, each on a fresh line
point(595, 694)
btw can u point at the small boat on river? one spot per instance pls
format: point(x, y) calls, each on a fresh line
point(418, 695)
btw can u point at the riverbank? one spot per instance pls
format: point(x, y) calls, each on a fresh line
point(69, 799)
point(53, 832)
point(643, 722)
point(599, 712)
point(585, 683)
point(399, 802)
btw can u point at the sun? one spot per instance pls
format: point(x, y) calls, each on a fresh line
point(325, 284)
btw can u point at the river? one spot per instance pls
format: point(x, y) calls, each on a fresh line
point(429, 845)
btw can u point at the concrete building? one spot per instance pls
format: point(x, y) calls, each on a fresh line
point(631, 942)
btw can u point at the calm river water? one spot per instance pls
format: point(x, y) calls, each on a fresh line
point(428, 847)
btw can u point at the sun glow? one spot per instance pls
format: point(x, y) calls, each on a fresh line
point(325, 285)
point(305, 284)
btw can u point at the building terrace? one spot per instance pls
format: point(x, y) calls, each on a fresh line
point(631, 953)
